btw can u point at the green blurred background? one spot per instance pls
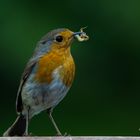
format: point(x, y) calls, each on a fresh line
point(105, 96)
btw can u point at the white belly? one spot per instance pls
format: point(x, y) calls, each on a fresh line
point(39, 97)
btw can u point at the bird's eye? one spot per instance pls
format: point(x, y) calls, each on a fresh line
point(59, 38)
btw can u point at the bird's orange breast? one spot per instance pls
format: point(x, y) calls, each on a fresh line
point(53, 60)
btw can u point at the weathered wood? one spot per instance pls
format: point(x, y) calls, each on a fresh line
point(72, 138)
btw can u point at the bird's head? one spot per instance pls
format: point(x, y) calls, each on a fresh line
point(60, 39)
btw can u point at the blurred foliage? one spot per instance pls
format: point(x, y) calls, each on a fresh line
point(104, 98)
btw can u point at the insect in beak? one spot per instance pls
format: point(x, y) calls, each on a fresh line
point(81, 35)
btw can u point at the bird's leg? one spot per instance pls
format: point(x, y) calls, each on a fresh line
point(27, 122)
point(49, 111)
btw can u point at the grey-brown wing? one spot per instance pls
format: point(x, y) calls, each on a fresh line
point(26, 73)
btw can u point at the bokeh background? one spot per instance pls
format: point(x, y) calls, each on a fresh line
point(105, 96)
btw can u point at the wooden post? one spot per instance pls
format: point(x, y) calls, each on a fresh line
point(72, 138)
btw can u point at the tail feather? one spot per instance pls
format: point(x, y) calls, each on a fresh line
point(18, 127)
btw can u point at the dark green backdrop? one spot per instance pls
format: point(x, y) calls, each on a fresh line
point(105, 96)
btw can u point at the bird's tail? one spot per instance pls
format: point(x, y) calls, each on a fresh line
point(18, 127)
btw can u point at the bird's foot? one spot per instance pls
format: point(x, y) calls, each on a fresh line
point(59, 134)
point(66, 134)
point(27, 135)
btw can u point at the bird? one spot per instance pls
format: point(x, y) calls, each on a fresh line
point(46, 79)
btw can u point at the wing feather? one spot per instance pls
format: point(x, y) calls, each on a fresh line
point(30, 65)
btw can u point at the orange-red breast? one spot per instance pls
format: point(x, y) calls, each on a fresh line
point(46, 79)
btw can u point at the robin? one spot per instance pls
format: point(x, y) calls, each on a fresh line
point(46, 79)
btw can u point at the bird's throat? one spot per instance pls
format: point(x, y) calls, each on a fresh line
point(53, 60)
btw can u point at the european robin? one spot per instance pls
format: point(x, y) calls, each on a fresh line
point(46, 79)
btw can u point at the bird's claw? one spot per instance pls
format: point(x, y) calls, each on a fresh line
point(59, 134)
point(65, 134)
point(28, 135)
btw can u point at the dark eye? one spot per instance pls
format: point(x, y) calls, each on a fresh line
point(59, 38)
